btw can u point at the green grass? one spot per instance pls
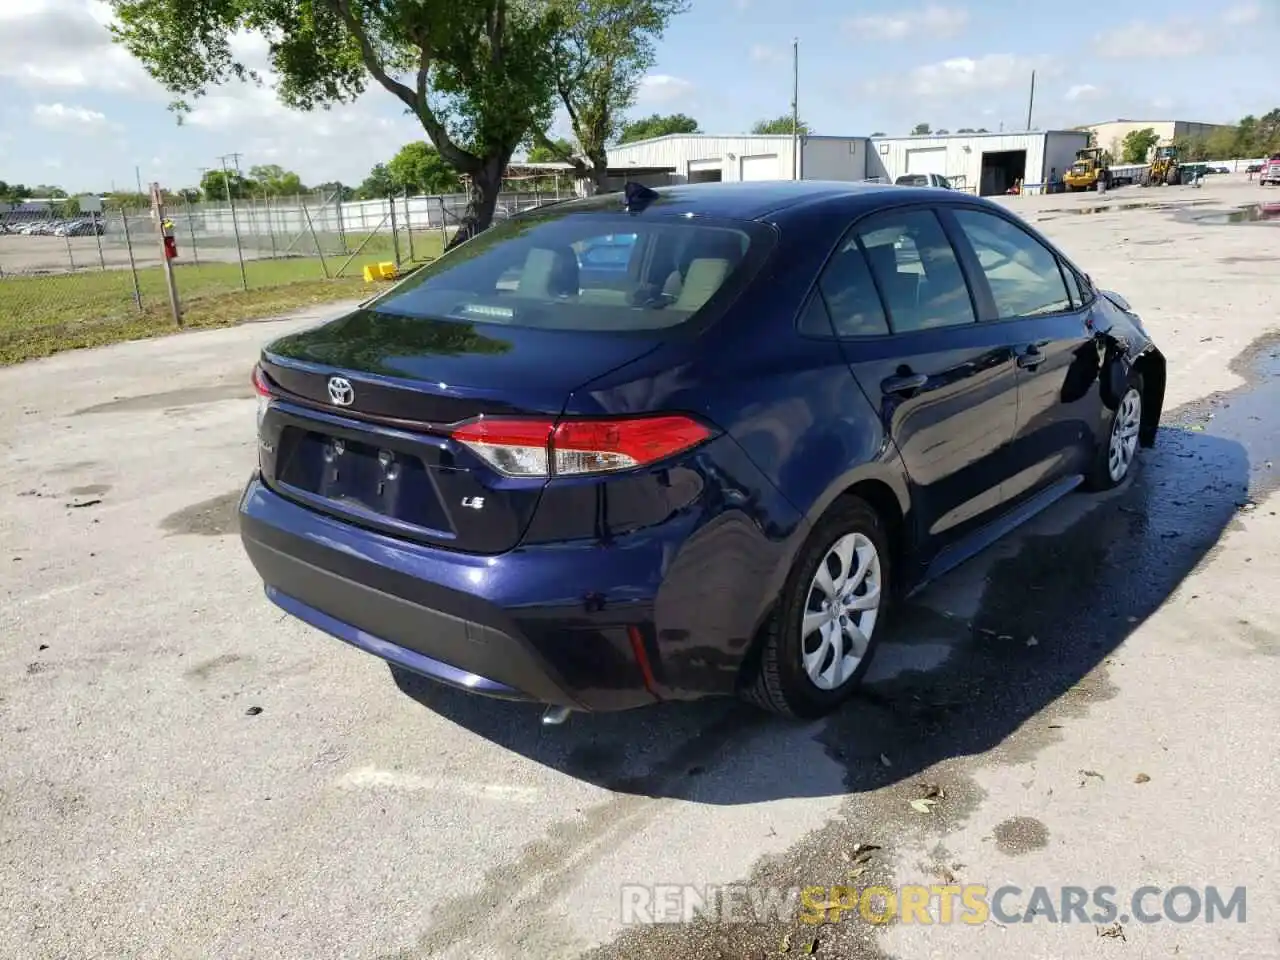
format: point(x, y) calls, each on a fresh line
point(43, 315)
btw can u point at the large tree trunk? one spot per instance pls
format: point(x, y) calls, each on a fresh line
point(599, 178)
point(482, 200)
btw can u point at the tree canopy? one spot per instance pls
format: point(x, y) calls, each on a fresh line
point(657, 125)
point(781, 124)
point(602, 51)
point(476, 74)
point(1137, 144)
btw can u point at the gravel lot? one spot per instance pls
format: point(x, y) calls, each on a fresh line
point(185, 772)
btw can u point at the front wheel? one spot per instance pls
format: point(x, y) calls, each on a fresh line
point(820, 641)
point(1116, 455)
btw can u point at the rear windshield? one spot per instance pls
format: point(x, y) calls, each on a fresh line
point(557, 269)
point(913, 180)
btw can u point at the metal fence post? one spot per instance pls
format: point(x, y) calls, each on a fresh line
point(133, 265)
point(395, 232)
point(98, 227)
point(408, 228)
point(316, 240)
point(191, 229)
point(342, 227)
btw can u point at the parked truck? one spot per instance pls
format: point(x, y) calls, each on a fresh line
point(1270, 172)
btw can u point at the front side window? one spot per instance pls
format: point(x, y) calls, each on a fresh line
point(565, 270)
point(1022, 272)
point(916, 270)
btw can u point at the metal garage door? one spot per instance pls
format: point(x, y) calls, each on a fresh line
point(927, 160)
point(763, 167)
point(704, 171)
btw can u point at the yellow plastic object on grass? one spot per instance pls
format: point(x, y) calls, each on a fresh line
point(379, 271)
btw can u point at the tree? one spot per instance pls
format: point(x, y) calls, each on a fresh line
point(1137, 144)
point(559, 148)
point(214, 185)
point(921, 130)
point(879, 133)
point(419, 169)
point(275, 181)
point(942, 132)
point(477, 73)
point(657, 125)
point(189, 195)
point(602, 51)
point(379, 183)
point(780, 125)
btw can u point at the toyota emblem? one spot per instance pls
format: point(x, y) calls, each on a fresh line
point(341, 391)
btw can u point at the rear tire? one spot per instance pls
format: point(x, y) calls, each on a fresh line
point(1118, 452)
point(811, 657)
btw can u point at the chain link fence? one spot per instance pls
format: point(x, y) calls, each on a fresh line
point(91, 267)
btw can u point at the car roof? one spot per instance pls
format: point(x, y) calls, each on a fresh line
point(737, 201)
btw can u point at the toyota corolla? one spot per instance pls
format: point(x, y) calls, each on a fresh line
point(690, 441)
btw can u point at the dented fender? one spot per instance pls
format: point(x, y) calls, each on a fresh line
point(1126, 345)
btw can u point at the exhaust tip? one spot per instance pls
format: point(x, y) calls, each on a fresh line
point(555, 716)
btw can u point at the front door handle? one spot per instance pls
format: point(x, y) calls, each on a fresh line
point(1030, 358)
point(906, 383)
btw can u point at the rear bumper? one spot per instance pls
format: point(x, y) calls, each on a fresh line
point(435, 612)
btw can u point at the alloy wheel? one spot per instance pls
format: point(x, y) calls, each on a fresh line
point(841, 611)
point(1124, 435)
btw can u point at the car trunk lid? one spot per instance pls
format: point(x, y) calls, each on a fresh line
point(361, 413)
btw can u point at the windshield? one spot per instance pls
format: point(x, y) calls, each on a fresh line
point(588, 270)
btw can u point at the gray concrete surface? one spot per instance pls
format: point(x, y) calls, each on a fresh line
point(147, 811)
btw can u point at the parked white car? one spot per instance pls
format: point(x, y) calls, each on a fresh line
point(923, 180)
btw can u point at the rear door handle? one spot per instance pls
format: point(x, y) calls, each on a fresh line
point(1030, 358)
point(907, 383)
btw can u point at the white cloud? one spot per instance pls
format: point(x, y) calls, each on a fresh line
point(1083, 91)
point(963, 76)
point(760, 53)
point(660, 89)
point(1142, 40)
point(59, 116)
point(929, 21)
point(1242, 14)
point(65, 44)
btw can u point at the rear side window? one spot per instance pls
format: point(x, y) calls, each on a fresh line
point(1022, 272)
point(916, 270)
point(850, 293)
point(557, 269)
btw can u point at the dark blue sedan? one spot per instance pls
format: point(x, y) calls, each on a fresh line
point(686, 442)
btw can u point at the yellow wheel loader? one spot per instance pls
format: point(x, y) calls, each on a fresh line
point(1165, 168)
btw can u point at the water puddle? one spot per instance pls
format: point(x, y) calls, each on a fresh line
point(1252, 213)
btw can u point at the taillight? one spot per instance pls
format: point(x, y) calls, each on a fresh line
point(263, 391)
point(541, 448)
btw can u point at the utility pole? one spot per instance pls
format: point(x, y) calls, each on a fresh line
point(235, 226)
point(1031, 103)
point(795, 107)
point(137, 172)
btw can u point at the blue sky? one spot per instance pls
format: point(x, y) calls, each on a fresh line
point(77, 112)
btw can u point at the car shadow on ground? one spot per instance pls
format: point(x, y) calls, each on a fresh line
point(1029, 623)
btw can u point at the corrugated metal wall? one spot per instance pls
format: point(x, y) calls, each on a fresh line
point(728, 152)
point(833, 158)
point(889, 156)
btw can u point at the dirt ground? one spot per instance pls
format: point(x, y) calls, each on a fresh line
point(186, 772)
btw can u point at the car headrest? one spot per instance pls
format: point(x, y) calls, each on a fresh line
point(550, 272)
point(704, 278)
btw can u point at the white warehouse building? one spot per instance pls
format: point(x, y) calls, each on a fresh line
point(981, 163)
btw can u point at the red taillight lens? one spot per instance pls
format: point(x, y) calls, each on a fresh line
point(260, 383)
point(540, 448)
